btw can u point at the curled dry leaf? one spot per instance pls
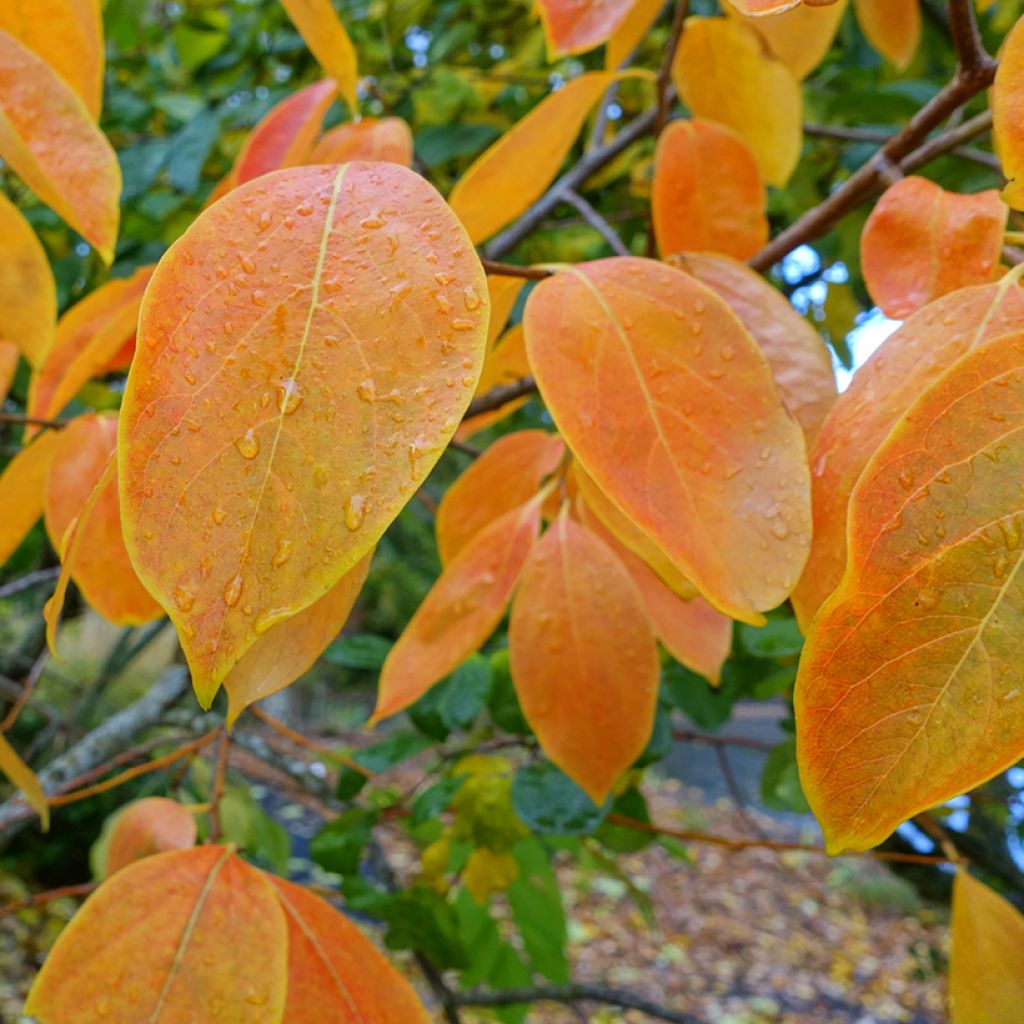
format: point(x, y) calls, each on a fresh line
point(461, 610)
point(674, 375)
point(892, 27)
point(151, 825)
point(372, 138)
point(22, 777)
point(575, 26)
point(881, 392)
point(583, 657)
point(724, 73)
point(707, 193)
point(150, 944)
point(798, 357)
point(287, 386)
point(922, 242)
point(509, 473)
point(52, 143)
point(1007, 98)
point(909, 690)
point(325, 35)
point(22, 490)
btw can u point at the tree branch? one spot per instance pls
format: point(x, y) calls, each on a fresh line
point(501, 395)
point(591, 215)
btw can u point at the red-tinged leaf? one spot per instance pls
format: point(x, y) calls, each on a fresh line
point(148, 826)
point(51, 142)
point(9, 356)
point(284, 373)
point(882, 390)
point(692, 631)
point(986, 960)
point(922, 242)
point(21, 776)
point(99, 566)
point(631, 32)
point(68, 35)
point(909, 690)
point(509, 473)
point(91, 339)
point(724, 73)
point(1007, 100)
point(707, 192)
point(22, 489)
point(284, 135)
point(798, 357)
point(506, 363)
point(892, 27)
point(151, 945)
point(324, 34)
point(494, 191)
point(28, 295)
point(666, 400)
point(461, 610)
point(335, 974)
point(583, 657)
point(290, 649)
point(762, 8)
point(372, 138)
point(575, 26)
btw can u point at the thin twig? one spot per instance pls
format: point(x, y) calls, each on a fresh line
point(220, 774)
point(593, 217)
point(304, 741)
point(30, 579)
point(26, 691)
point(39, 898)
point(516, 270)
point(32, 421)
point(688, 736)
point(736, 791)
point(501, 395)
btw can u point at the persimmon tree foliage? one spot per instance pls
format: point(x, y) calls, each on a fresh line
point(244, 359)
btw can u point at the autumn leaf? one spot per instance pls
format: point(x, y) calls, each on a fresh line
point(909, 692)
point(632, 29)
point(505, 364)
point(922, 242)
point(372, 138)
point(148, 826)
point(892, 27)
point(1007, 100)
point(324, 34)
point(9, 356)
point(334, 972)
point(287, 394)
point(150, 944)
point(22, 777)
point(460, 611)
point(22, 491)
point(986, 961)
point(509, 473)
point(881, 391)
point(575, 26)
point(675, 374)
point(724, 73)
point(51, 142)
point(583, 657)
point(707, 193)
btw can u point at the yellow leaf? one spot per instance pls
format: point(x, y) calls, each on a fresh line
point(25, 779)
point(320, 27)
point(22, 489)
point(892, 27)
point(631, 31)
point(800, 37)
point(487, 872)
point(8, 367)
point(1008, 114)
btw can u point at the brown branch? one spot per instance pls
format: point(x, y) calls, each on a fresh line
point(595, 220)
point(32, 421)
point(515, 270)
point(723, 741)
point(220, 774)
point(501, 395)
point(30, 579)
point(39, 898)
point(26, 691)
point(665, 71)
point(304, 741)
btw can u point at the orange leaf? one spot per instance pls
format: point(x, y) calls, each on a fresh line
point(575, 26)
point(631, 31)
point(882, 390)
point(759, 8)
point(892, 27)
point(288, 388)
point(100, 566)
point(52, 143)
point(707, 192)
point(798, 357)
point(289, 649)
point(151, 825)
point(505, 364)
point(461, 610)
point(1007, 100)
point(372, 138)
point(22, 487)
point(724, 73)
point(324, 34)
point(583, 657)
point(909, 689)
point(21, 776)
point(91, 336)
point(335, 974)
point(28, 295)
point(509, 473)
point(9, 356)
point(986, 961)
point(922, 242)
point(504, 291)
point(692, 441)
point(284, 135)
point(68, 35)
point(150, 944)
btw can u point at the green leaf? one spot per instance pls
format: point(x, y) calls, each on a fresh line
point(779, 638)
point(548, 801)
point(339, 845)
point(436, 144)
point(503, 703)
point(395, 749)
point(780, 780)
point(466, 696)
point(630, 804)
point(434, 801)
point(365, 651)
point(189, 150)
point(535, 900)
point(420, 919)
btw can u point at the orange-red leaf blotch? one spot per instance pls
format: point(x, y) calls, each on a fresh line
point(707, 193)
point(677, 381)
point(148, 826)
point(52, 143)
point(325, 35)
point(1007, 100)
point(922, 242)
point(372, 138)
point(583, 657)
point(335, 974)
point(575, 26)
point(892, 27)
point(23, 489)
point(287, 395)
point(909, 690)
point(152, 944)
point(461, 610)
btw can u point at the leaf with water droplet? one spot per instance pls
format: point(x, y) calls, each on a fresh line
point(909, 689)
point(274, 469)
